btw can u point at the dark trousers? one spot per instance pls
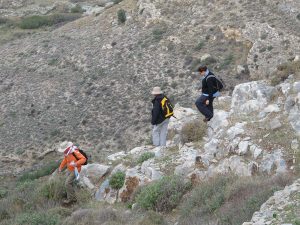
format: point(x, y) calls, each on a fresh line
point(206, 110)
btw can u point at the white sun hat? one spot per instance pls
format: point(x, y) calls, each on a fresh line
point(64, 145)
point(156, 91)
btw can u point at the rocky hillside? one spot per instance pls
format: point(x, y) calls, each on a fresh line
point(82, 71)
point(89, 80)
point(241, 166)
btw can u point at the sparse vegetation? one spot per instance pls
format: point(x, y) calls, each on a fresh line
point(199, 46)
point(37, 218)
point(228, 199)
point(162, 195)
point(145, 156)
point(77, 9)
point(193, 131)
point(209, 61)
point(298, 16)
point(284, 70)
point(159, 32)
point(41, 172)
point(35, 22)
point(227, 61)
point(117, 1)
point(54, 189)
point(121, 16)
point(3, 193)
point(153, 218)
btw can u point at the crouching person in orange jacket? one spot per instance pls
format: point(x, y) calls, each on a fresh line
point(73, 159)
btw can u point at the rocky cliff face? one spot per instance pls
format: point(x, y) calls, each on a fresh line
point(90, 79)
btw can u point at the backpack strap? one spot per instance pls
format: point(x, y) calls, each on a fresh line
point(209, 76)
point(75, 156)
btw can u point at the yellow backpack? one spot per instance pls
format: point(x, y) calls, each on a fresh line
point(167, 107)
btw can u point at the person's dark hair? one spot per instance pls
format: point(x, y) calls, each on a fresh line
point(202, 68)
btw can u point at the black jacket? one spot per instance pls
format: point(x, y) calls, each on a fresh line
point(157, 113)
point(209, 85)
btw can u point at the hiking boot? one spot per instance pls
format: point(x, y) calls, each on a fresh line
point(68, 202)
point(205, 120)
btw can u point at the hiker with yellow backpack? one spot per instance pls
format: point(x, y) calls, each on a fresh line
point(161, 113)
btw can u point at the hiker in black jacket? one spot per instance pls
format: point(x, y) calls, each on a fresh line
point(158, 120)
point(209, 91)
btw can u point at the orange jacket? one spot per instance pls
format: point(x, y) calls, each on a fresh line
point(69, 158)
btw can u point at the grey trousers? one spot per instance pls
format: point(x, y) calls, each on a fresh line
point(69, 186)
point(159, 133)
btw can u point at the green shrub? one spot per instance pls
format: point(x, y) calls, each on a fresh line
point(41, 172)
point(162, 195)
point(117, 1)
point(145, 156)
point(227, 61)
point(77, 9)
point(34, 22)
point(121, 16)
point(298, 16)
point(38, 218)
point(193, 131)
point(117, 180)
point(54, 189)
point(270, 47)
point(3, 193)
point(199, 46)
point(159, 32)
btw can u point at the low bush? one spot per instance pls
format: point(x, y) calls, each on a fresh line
point(199, 46)
point(227, 61)
point(117, 1)
point(3, 193)
point(145, 156)
point(77, 9)
point(159, 32)
point(163, 195)
point(121, 16)
point(193, 131)
point(36, 21)
point(54, 189)
point(37, 218)
point(284, 70)
point(228, 199)
point(117, 180)
point(41, 172)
